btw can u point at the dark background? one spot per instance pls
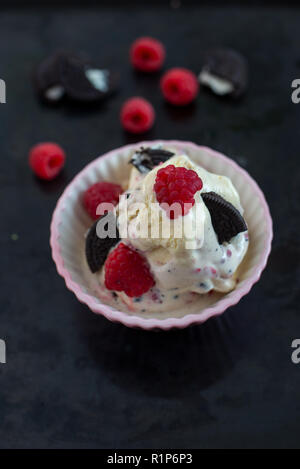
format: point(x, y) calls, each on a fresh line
point(73, 379)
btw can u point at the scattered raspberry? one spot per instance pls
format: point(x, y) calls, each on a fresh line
point(147, 54)
point(101, 192)
point(126, 270)
point(179, 86)
point(137, 115)
point(47, 160)
point(176, 185)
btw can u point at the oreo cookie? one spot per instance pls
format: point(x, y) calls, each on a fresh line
point(226, 219)
point(225, 72)
point(146, 159)
point(98, 247)
point(47, 79)
point(84, 82)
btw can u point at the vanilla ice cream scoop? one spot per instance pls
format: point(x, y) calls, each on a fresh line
point(185, 255)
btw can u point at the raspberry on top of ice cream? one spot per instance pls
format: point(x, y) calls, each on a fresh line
point(126, 270)
point(176, 187)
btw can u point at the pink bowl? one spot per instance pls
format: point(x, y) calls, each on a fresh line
point(70, 222)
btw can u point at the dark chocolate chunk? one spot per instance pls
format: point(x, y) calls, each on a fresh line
point(146, 159)
point(97, 248)
point(226, 219)
point(47, 78)
point(228, 65)
point(84, 82)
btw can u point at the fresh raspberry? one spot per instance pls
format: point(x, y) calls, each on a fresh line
point(126, 270)
point(47, 160)
point(179, 86)
point(137, 115)
point(176, 185)
point(147, 54)
point(101, 192)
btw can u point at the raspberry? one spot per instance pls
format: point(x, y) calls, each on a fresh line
point(46, 160)
point(101, 192)
point(179, 86)
point(126, 270)
point(176, 185)
point(137, 115)
point(147, 54)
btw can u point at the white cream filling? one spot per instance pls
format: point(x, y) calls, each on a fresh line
point(54, 93)
point(216, 84)
point(98, 78)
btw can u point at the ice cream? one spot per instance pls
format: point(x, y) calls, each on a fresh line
point(184, 254)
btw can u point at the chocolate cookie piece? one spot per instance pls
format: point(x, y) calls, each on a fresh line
point(84, 82)
point(47, 78)
point(225, 72)
point(97, 248)
point(146, 159)
point(226, 219)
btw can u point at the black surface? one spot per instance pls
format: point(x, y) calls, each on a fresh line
point(73, 379)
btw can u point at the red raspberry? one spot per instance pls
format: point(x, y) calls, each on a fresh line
point(98, 193)
point(176, 185)
point(147, 54)
point(179, 86)
point(126, 270)
point(47, 160)
point(137, 115)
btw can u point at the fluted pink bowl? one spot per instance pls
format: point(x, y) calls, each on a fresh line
point(70, 222)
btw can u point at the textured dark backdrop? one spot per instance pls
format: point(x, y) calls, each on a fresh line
point(73, 379)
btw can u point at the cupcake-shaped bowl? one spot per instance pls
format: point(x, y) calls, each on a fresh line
point(70, 223)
